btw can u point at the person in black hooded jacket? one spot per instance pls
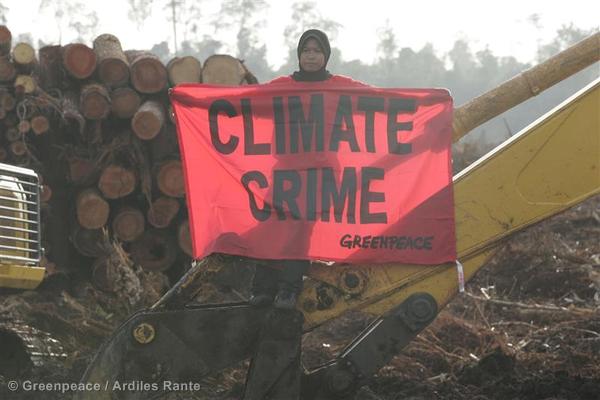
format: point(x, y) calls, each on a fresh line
point(283, 287)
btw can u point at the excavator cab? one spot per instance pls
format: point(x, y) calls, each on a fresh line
point(20, 237)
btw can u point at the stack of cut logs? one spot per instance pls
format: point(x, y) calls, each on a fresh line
point(94, 122)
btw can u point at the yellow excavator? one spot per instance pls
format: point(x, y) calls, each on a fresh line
point(20, 240)
point(549, 166)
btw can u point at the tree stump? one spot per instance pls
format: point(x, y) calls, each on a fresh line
point(124, 102)
point(94, 101)
point(116, 182)
point(92, 209)
point(79, 60)
point(128, 224)
point(148, 120)
point(184, 70)
point(113, 69)
point(148, 74)
point(170, 179)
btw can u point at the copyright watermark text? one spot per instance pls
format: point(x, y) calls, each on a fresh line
point(113, 386)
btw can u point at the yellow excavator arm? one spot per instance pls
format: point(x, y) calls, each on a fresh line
point(548, 167)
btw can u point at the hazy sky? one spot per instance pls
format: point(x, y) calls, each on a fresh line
point(506, 26)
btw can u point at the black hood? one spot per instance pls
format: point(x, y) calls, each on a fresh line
point(322, 74)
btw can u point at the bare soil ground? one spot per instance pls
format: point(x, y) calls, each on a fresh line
point(528, 327)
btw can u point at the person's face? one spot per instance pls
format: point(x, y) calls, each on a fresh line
point(312, 58)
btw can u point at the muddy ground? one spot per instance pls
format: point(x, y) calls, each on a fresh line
point(528, 327)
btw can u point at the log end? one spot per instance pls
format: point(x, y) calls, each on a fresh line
point(222, 69)
point(7, 70)
point(25, 84)
point(184, 70)
point(128, 224)
point(116, 182)
point(40, 124)
point(23, 54)
point(124, 102)
point(154, 251)
point(162, 212)
point(92, 210)
point(148, 76)
point(184, 238)
point(113, 72)
point(170, 179)
point(146, 125)
point(79, 60)
point(5, 37)
point(95, 106)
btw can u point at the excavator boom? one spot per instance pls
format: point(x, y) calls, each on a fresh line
point(548, 167)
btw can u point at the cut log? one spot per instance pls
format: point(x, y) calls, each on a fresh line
point(79, 60)
point(164, 145)
point(18, 148)
point(184, 70)
point(45, 193)
point(128, 224)
point(113, 69)
point(170, 179)
point(5, 40)
point(148, 74)
point(40, 124)
point(184, 239)
point(162, 211)
point(25, 84)
point(94, 101)
point(24, 126)
point(7, 69)
point(88, 242)
point(24, 57)
point(3, 154)
point(81, 170)
point(116, 182)
point(155, 250)
point(12, 134)
point(7, 101)
point(92, 209)
point(124, 102)
point(221, 69)
point(148, 120)
point(51, 71)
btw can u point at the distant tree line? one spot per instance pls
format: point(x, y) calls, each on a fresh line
point(466, 73)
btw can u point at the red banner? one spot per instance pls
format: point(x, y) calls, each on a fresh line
point(329, 170)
